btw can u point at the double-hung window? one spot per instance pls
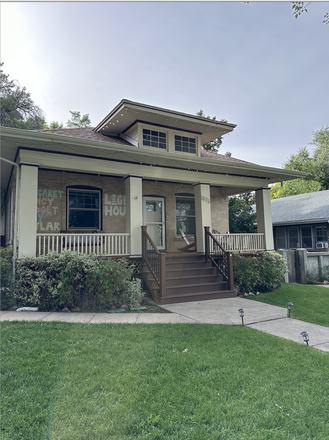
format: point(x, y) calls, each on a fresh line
point(185, 215)
point(84, 209)
point(154, 138)
point(321, 233)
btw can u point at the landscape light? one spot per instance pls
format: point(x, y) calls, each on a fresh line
point(241, 311)
point(305, 337)
point(290, 304)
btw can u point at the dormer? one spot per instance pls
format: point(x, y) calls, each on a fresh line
point(150, 127)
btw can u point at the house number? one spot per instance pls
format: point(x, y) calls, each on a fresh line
point(205, 199)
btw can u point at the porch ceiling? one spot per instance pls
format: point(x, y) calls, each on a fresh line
point(260, 176)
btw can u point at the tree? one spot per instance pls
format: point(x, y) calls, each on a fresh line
point(17, 108)
point(300, 7)
point(317, 165)
point(294, 187)
point(216, 143)
point(53, 125)
point(241, 214)
point(321, 156)
point(78, 121)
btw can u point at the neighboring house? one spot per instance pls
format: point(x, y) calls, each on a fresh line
point(92, 189)
point(301, 221)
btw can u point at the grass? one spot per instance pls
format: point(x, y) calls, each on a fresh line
point(80, 381)
point(311, 303)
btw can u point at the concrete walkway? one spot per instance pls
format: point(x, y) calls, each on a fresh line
point(260, 316)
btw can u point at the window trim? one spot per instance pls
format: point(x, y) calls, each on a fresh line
point(188, 137)
point(187, 196)
point(159, 130)
point(83, 189)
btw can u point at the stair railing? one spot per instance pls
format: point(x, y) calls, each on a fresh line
point(154, 260)
point(219, 257)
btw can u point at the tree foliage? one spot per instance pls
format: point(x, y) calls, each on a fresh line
point(78, 121)
point(299, 8)
point(316, 164)
point(241, 214)
point(54, 125)
point(216, 143)
point(17, 108)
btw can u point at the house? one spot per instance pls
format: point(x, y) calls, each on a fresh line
point(301, 221)
point(92, 190)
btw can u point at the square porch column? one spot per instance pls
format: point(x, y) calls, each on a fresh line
point(134, 213)
point(264, 217)
point(27, 211)
point(202, 213)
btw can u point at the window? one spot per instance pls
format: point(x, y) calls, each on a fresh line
point(321, 233)
point(185, 144)
point(292, 237)
point(156, 139)
point(83, 209)
point(281, 238)
point(185, 215)
point(306, 233)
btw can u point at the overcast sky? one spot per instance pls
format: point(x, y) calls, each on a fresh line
point(252, 64)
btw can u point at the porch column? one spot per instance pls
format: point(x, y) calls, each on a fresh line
point(27, 209)
point(202, 213)
point(134, 213)
point(264, 217)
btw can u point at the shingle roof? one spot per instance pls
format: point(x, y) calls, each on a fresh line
point(89, 134)
point(86, 133)
point(217, 156)
point(301, 208)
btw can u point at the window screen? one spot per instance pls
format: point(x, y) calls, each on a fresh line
point(185, 215)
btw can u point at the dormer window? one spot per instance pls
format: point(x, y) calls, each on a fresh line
point(185, 144)
point(153, 138)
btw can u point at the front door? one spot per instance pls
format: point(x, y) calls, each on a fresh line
point(154, 219)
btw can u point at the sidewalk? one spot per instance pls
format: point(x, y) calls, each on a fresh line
point(260, 316)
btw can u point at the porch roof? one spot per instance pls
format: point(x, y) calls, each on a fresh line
point(118, 150)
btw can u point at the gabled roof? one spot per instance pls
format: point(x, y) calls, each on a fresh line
point(303, 208)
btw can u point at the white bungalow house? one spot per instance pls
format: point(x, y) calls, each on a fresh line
point(93, 189)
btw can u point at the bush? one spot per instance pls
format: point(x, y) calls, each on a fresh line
point(72, 280)
point(6, 269)
point(262, 272)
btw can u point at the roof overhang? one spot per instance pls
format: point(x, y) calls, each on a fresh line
point(13, 139)
point(127, 113)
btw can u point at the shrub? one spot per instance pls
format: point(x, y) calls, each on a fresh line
point(6, 269)
point(72, 280)
point(262, 272)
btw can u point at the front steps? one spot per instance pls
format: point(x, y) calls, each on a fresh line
point(188, 278)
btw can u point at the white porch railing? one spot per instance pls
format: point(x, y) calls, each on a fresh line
point(99, 244)
point(241, 242)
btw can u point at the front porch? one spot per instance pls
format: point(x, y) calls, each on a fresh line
point(114, 245)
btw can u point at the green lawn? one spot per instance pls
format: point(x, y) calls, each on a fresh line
point(311, 303)
point(80, 381)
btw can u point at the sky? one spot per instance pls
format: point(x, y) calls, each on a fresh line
point(252, 64)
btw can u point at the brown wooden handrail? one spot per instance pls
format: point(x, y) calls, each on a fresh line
point(157, 264)
point(219, 257)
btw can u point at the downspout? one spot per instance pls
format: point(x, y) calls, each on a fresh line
point(18, 169)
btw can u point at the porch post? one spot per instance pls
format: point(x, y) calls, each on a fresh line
point(134, 213)
point(202, 214)
point(27, 211)
point(264, 217)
